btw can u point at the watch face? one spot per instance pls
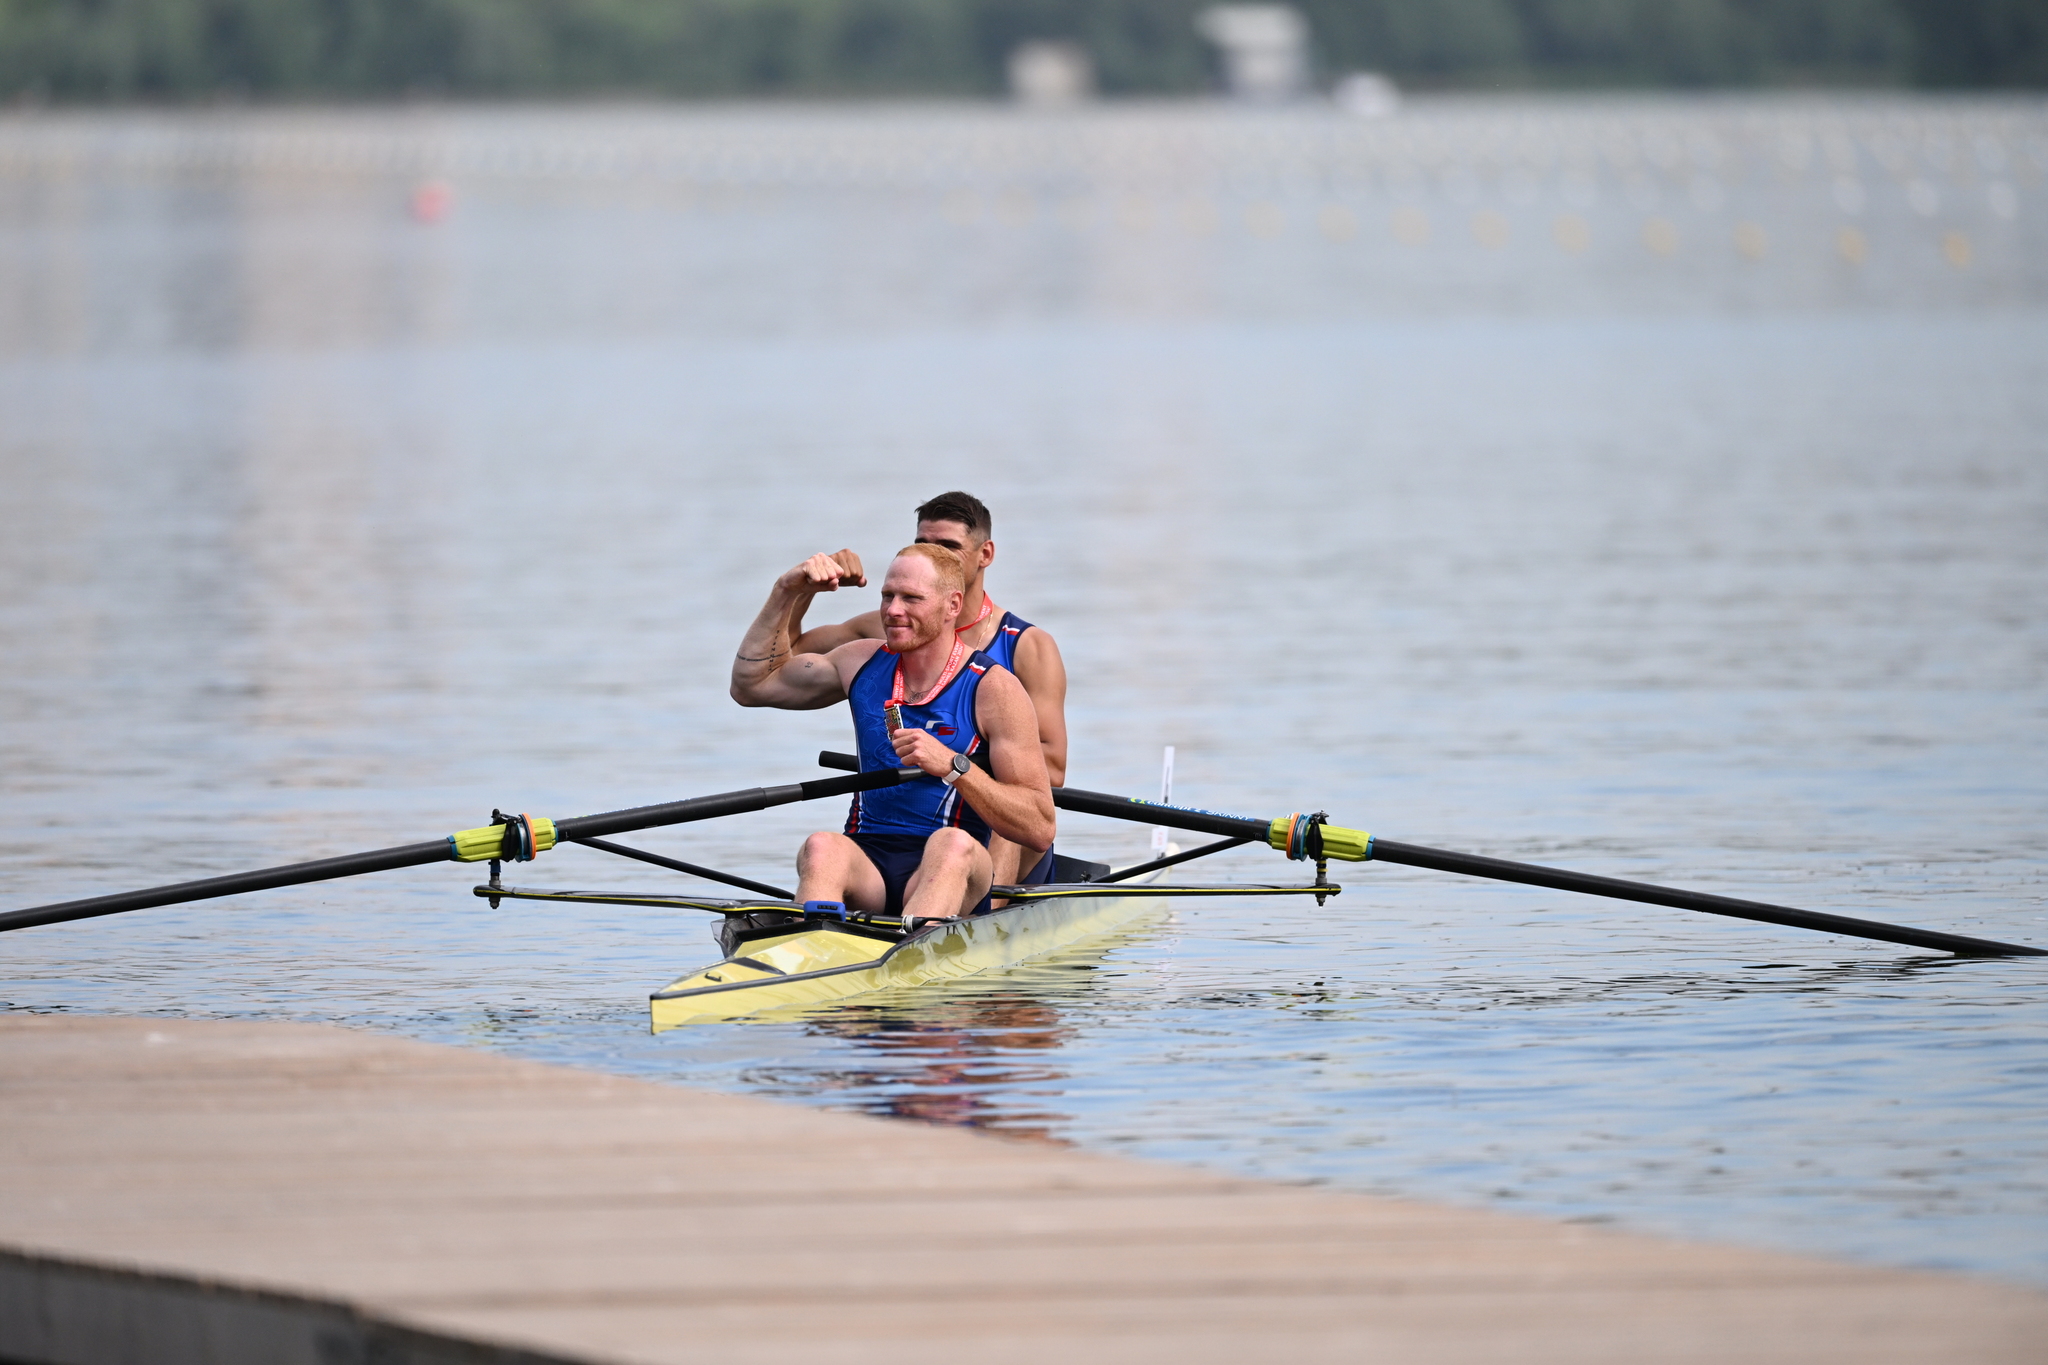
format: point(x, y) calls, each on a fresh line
point(961, 764)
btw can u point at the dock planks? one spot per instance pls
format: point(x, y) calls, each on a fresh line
point(183, 1192)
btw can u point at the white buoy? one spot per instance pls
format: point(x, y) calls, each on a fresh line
point(1366, 94)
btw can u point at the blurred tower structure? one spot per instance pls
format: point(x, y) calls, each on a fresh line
point(1367, 94)
point(1264, 48)
point(1051, 75)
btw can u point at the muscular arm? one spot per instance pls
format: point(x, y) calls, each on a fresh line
point(1044, 675)
point(824, 639)
point(766, 671)
point(1016, 800)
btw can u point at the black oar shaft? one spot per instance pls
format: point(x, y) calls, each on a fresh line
point(1120, 808)
point(1126, 808)
point(1146, 813)
point(418, 855)
point(233, 884)
point(1558, 879)
point(726, 803)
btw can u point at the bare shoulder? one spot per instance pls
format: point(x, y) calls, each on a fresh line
point(851, 657)
point(1000, 693)
point(1036, 645)
point(1003, 712)
point(1039, 665)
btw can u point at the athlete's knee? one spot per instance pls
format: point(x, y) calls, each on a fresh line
point(824, 849)
point(952, 845)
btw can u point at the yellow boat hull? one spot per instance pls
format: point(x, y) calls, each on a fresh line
point(817, 964)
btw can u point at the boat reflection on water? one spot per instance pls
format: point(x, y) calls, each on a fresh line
point(983, 1062)
point(973, 1052)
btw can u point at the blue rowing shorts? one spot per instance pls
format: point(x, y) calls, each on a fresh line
point(896, 856)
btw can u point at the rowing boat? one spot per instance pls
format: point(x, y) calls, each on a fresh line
point(779, 953)
point(797, 959)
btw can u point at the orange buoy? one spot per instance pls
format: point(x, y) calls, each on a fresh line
point(431, 201)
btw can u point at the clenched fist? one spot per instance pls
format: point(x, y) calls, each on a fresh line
point(826, 573)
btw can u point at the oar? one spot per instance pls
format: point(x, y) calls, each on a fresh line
point(1291, 835)
point(520, 839)
point(1298, 837)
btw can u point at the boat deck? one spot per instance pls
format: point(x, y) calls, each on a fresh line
point(179, 1192)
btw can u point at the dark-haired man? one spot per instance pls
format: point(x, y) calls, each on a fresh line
point(920, 698)
point(960, 522)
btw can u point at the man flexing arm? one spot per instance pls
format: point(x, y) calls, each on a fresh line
point(961, 523)
point(911, 849)
point(766, 670)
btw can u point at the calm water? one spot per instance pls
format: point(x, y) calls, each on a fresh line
point(1655, 488)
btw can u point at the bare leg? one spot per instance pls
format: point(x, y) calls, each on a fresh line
point(1004, 859)
point(1011, 862)
point(951, 880)
point(831, 867)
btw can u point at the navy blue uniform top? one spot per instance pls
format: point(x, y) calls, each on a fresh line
point(1003, 648)
point(924, 803)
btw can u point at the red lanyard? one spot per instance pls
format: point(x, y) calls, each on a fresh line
point(988, 604)
point(952, 667)
point(890, 708)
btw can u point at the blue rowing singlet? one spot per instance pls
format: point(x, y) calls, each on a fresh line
point(924, 803)
point(1003, 648)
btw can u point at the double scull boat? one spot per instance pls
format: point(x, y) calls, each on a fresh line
point(775, 958)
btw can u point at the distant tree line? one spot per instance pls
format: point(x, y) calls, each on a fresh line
point(282, 49)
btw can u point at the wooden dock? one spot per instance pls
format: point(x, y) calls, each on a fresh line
point(201, 1193)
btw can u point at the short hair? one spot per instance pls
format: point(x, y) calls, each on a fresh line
point(946, 564)
point(964, 508)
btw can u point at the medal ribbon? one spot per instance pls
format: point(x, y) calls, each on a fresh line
point(953, 662)
point(988, 604)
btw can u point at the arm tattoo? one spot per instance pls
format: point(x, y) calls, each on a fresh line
point(750, 659)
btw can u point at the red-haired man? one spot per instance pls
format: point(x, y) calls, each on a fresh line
point(921, 697)
point(961, 523)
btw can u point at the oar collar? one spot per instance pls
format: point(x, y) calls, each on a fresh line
point(515, 838)
point(1311, 837)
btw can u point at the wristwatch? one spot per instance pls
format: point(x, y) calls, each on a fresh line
point(961, 763)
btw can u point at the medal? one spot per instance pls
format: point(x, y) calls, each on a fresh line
point(892, 710)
